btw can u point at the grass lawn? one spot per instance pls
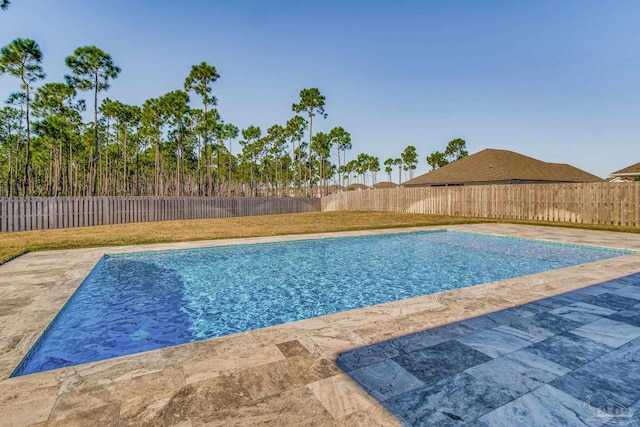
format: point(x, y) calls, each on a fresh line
point(15, 244)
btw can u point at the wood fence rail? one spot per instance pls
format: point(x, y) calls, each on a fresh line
point(41, 213)
point(594, 203)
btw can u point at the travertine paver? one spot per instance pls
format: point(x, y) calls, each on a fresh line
point(287, 374)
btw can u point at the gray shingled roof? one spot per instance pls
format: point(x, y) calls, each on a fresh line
point(501, 166)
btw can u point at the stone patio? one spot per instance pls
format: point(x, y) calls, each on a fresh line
point(542, 363)
point(518, 351)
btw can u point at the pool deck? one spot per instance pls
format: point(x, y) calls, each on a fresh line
point(524, 351)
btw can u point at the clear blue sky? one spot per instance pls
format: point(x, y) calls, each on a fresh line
point(555, 80)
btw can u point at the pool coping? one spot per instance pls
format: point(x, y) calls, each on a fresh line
point(263, 363)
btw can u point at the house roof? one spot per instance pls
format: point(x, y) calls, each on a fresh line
point(492, 165)
point(335, 188)
point(385, 184)
point(357, 187)
point(633, 170)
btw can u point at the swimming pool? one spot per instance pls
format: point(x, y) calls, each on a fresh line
point(137, 302)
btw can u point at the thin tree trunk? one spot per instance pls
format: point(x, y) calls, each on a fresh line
point(96, 152)
point(59, 170)
point(157, 180)
point(199, 157)
point(309, 158)
point(211, 180)
point(299, 167)
point(124, 164)
point(137, 172)
point(28, 148)
point(339, 173)
point(178, 183)
point(206, 142)
point(229, 192)
point(49, 177)
point(177, 177)
point(106, 181)
point(9, 181)
point(13, 157)
point(293, 159)
point(182, 189)
point(81, 193)
point(276, 177)
point(206, 171)
point(252, 183)
point(323, 176)
point(71, 190)
point(218, 180)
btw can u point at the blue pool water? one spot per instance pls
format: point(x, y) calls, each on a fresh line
point(137, 302)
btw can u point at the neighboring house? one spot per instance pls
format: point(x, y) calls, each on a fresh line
point(618, 179)
point(385, 184)
point(630, 173)
point(501, 167)
point(335, 188)
point(354, 187)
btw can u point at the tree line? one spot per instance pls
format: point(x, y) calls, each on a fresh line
point(166, 146)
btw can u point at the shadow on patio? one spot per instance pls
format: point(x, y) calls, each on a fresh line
point(571, 359)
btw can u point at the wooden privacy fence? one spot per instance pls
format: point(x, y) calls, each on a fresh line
point(594, 203)
point(41, 213)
